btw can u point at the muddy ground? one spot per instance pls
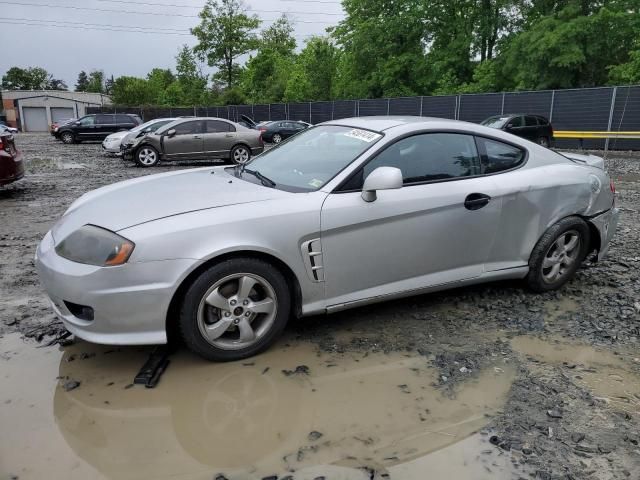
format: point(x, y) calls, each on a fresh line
point(483, 382)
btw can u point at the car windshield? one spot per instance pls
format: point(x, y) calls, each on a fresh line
point(310, 159)
point(495, 122)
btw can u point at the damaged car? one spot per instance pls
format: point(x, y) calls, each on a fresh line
point(346, 213)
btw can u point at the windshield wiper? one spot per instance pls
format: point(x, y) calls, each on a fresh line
point(266, 181)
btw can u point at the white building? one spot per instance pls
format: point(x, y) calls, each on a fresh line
point(35, 110)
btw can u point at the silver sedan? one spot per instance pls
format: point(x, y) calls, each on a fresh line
point(347, 213)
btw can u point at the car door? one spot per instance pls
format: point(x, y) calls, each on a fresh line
point(187, 143)
point(437, 229)
point(515, 126)
point(105, 125)
point(219, 138)
point(84, 128)
point(531, 128)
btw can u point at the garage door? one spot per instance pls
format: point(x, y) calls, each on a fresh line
point(35, 119)
point(61, 113)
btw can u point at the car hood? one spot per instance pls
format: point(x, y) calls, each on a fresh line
point(117, 135)
point(141, 200)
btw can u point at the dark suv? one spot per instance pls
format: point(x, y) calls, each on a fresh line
point(96, 127)
point(532, 127)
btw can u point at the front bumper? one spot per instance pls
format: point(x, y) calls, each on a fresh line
point(111, 147)
point(130, 302)
point(606, 223)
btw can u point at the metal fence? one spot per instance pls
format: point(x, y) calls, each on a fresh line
point(587, 109)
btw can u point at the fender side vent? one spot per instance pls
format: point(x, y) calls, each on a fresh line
point(312, 254)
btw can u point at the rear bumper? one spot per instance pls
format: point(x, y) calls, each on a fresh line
point(11, 167)
point(606, 223)
point(111, 147)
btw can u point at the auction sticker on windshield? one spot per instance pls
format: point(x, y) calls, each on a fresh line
point(365, 135)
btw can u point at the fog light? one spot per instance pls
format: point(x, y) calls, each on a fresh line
point(82, 312)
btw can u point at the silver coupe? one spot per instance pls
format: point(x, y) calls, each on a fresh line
point(346, 213)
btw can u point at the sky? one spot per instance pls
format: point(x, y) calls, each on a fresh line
point(67, 36)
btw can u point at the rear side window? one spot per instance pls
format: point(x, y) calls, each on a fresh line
point(531, 121)
point(187, 128)
point(516, 122)
point(216, 126)
point(104, 119)
point(429, 157)
point(124, 119)
point(498, 157)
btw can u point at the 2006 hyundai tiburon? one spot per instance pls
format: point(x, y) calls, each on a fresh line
point(346, 213)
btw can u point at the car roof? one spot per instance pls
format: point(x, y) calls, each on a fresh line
point(381, 124)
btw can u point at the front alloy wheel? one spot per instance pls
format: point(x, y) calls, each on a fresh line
point(234, 310)
point(147, 156)
point(67, 138)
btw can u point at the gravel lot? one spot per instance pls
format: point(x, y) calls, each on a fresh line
point(570, 359)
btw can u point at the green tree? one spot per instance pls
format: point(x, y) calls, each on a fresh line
point(83, 82)
point(225, 33)
point(56, 84)
point(158, 80)
point(32, 78)
point(383, 48)
point(132, 91)
point(314, 72)
point(108, 85)
point(266, 74)
point(96, 81)
point(626, 73)
point(570, 48)
point(191, 81)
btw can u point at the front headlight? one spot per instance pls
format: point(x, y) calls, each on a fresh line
point(95, 246)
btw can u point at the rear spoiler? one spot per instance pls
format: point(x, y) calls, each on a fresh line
point(587, 159)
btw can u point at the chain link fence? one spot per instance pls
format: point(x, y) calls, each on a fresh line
point(586, 109)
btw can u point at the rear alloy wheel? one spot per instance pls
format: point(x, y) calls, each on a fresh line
point(558, 254)
point(240, 155)
point(68, 138)
point(277, 138)
point(147, 156)
point(235, 310)
point(543, 141)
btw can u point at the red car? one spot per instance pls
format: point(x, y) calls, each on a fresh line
point(11, 164)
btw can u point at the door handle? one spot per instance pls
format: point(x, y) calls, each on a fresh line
point(229, 135)
point(475, 201)
point(197, 137)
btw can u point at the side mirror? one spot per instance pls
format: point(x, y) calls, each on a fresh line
point(77, 124)
point(171, 133)
point(382, 178)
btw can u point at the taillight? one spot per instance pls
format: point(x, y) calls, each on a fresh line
point(612, 186)
point(1, 144)
point(262, 130)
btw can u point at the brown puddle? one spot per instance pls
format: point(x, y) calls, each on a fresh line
point(246, 419)
point(610, 377)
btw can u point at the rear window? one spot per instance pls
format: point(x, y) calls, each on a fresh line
point(499, 157)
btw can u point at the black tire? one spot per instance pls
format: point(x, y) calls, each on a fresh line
point(146, 156)
point(68, 138)
point(193, 306)
point(240, 154)
point(546, 250)
point(277, 138)
point(544, 142)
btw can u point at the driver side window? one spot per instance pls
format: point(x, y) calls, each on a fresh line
point(425, 158)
